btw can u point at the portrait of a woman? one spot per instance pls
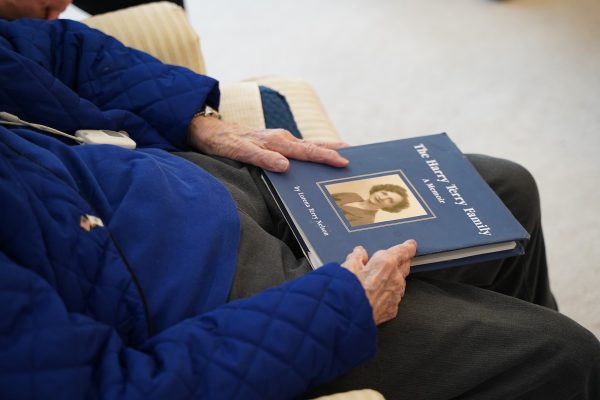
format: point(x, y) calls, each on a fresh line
point(359, 211)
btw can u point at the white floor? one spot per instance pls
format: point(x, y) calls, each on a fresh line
point(518, 79)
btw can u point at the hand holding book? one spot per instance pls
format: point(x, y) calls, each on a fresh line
point(265, 148)
point(383, 276)
point(420, 188)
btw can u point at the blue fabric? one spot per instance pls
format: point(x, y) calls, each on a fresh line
point(101, 87)
point(136, 308)
point(277, 111)
point(86, 80)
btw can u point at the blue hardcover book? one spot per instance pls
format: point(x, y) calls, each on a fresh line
point(420, 188)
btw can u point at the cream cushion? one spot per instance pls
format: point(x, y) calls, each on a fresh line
point(160, 29)
point(241, 103)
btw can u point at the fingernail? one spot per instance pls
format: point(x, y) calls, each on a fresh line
point(281, 165)
point(410, 241)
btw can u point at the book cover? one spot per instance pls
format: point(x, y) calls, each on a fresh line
point(420, 188)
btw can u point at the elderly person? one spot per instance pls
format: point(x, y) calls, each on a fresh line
point(139, 274)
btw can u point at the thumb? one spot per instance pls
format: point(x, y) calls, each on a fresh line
point(356, 260)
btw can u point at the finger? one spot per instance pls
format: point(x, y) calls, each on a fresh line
point(402, 292)
point(329, 145)
point(399, 284)
point(398, 257)
point(359, 252)
point(385, 307)
point(405, 251)
point(385, 300)
point(394, 300)
point(288, 145)
point(406, 263)
point(387, 316)
point(356, 260)
point(362, 254)
point(238, 147)
point(379, 270)
point(251, 153)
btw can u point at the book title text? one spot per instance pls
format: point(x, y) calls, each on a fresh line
point(452, 189)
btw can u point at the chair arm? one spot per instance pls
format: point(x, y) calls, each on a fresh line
point(160, 29)
point(241, 103)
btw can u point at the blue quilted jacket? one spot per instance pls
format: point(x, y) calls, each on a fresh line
point(133, 304)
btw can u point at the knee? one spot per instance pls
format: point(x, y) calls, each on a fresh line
point(515, 186)
point(575, 350)
point(522, 196)
point(564, 360)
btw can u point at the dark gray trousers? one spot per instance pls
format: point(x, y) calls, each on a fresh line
point(486, 331)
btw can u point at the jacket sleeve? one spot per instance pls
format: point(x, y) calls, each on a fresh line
point(69, 76)
point(274, 345)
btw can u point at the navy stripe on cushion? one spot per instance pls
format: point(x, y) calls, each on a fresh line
point(277, 111)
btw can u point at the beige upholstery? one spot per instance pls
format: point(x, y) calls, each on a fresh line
point(162, 29)
point(240, 103)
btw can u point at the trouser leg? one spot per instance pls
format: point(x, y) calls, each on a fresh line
point(452, 340)
point(524, 277)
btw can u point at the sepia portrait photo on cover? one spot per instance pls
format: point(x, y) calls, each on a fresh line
point(375, 200)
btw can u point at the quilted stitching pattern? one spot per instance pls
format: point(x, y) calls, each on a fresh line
point(34, 204)
point(272, 346)
point(277, 111)
point(66, 55)
point(62, 332)
point(287, 326)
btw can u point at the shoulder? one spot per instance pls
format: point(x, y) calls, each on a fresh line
point(348, 197)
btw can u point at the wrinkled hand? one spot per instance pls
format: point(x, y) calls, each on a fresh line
point(268, 148)
point(383, 276)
